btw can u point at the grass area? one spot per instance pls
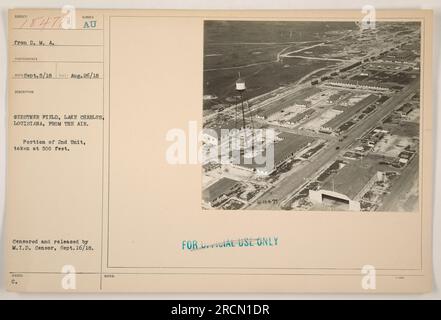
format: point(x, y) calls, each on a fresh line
point(232, 44)
point(222, 56)
point(259, 79)
point(217, 31)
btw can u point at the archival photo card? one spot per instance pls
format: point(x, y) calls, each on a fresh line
point(219, 151)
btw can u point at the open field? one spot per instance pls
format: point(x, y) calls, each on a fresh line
point(392, 145)
point(255, 50)
point(325, 117)
point(260, 78)
point(288, 101)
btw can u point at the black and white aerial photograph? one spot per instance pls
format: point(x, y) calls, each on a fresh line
point(320, 115)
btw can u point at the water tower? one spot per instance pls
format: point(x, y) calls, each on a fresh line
point(243, 119)
point(244, 105)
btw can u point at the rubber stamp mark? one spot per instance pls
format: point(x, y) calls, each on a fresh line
point(195, 245)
